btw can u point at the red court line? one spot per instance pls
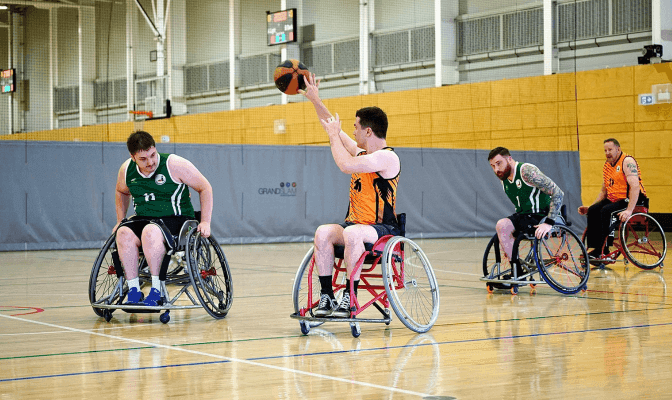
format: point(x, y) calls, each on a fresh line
point(35, 310)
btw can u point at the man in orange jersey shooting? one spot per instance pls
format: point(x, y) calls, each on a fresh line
point(371, 214)
point(622, 190)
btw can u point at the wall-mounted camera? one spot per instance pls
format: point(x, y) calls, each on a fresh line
point(652, 54)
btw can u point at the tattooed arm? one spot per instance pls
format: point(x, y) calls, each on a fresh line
point(534, 177)
point(632, 176)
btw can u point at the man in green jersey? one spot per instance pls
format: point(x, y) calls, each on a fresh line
point(536, 197)
point(159, 185)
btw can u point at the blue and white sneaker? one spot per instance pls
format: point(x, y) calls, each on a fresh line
point(134, 297)
point(153, 299)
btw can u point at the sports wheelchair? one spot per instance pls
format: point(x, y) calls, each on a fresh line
point(640, 239)
point(560, 258)
point(406, 282)
point(191, 262)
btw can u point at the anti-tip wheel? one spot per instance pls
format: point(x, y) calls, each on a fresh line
point(107, 314)
point(305, 328)
point(165, 317)
point(355, 329)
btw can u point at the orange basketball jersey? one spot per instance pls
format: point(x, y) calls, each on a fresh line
point(372, 198)
point(615, 182)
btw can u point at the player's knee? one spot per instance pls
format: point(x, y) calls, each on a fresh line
point(352, 236)
point(125, 235)
point(151, 232)
point(503, 225)
point(323, 236)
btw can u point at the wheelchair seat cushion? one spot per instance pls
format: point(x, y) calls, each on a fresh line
point(339, 252)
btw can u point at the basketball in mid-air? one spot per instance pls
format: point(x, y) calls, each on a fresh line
point(289, 76)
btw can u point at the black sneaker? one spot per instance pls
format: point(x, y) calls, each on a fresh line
point(326, 306)
point(343, 309)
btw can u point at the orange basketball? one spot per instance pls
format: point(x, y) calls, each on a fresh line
point(289, 76)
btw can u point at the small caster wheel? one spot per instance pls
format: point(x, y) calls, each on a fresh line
point(514, 290)
point(107, 314)
point(533, 288)
point(305, 328)
point(584, 289)
point(165, 317)
point(387, 315)
point(489, 287)
point(354, 328)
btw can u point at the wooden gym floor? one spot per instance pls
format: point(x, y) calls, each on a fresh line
point(613, 342)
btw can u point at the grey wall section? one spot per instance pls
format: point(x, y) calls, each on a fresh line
point(59, 195)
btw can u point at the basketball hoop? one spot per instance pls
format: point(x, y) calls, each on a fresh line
point(139, 118)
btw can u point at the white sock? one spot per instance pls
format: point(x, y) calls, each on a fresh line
point(134, 283)
point(156, 283)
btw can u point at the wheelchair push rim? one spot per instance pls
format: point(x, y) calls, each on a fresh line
point(643, 241)
point(562, 260)
point(209, 274)
point(305, 298)
point(410, 284)
point(104, 285)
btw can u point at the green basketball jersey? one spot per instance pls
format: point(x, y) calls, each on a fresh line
point(527, 199)
point(158, 195)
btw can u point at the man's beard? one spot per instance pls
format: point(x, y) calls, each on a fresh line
point(505, 174)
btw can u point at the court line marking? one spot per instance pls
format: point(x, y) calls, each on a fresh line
point(231, 359)
point(288, 356)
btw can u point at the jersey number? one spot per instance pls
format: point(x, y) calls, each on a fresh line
point(149, 197)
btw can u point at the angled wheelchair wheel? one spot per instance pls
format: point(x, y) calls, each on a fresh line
point(104, 287)
point(643, 241)
point(209, 274)
point(410, 284)
point(562, 260)
point(301, 294)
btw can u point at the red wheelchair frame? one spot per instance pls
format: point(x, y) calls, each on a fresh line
point(390, 252)
point(639, 216)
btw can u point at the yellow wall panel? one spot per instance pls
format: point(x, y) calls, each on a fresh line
point(591, 173)
point(538, 89)
point(589, 193)
point(541, 143)
point(513, 133)
point(656, 112)
point(546, 115)
point(661, 200)
point(505, 93)
point(454, 97)
point(403, 125)
point(654, 172)
point(611, 110)
point(482, 119)
point(566, 87)
point(400, 103)
point(601, 83)
point(506, 118)
point(344, 106)
point(546, 133)
point(567, 113)
point(480, 94)
point(656, 144)
point(654, 74)
point(460, 121)
point(608, 130)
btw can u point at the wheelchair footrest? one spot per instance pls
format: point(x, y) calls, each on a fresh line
point(336, 319)
point(512, 282)
point(137, 308)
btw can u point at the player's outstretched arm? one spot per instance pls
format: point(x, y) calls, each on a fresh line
point(122, 195)
point(183, 171)
point(312, 93)
point(384, 162)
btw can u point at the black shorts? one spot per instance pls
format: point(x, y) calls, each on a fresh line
point(381, 229)
point(174, 223)
point(524, 223)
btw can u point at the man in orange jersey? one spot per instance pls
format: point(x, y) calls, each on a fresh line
point(622, 190)
point(375, 172)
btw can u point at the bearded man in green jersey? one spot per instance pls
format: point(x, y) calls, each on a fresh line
point(159, 185)
point(536, 197)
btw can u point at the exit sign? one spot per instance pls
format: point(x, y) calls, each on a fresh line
point(646, 99)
